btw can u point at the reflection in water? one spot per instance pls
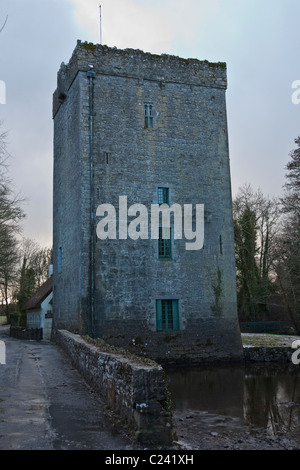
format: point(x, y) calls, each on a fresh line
point(261, 396)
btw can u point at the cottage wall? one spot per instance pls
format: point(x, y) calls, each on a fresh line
point(40, 318)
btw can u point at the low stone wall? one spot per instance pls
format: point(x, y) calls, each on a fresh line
point(135, 391)
point(268, 354)
point(268, 327)
point(26, 333)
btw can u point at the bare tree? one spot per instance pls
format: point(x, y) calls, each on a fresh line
point(37, 258)
point(10, 217)
point(2, 27)
point(256, 222)
point(288, 244)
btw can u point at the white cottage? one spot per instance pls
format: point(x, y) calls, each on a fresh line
point(39, 309)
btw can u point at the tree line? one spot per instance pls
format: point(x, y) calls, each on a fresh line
point(267, 247)
point(23, 262)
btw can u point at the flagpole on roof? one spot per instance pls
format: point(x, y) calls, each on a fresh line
point(100, 25)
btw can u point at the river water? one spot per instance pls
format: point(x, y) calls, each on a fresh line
point(252, 395)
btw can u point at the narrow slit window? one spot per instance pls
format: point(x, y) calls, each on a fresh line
point(60, 259)
point(163, 195)
point(148, 116)
point(164, 243)
point(107, 157)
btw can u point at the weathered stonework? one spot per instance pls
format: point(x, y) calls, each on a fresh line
point(186, 151)
point(268, 354)
point(135, 391)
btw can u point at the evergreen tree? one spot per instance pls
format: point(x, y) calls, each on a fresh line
point(246, 251)
point(256, 220)
point(27, 284)
point(288, 250)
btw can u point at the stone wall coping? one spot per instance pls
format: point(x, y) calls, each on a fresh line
point(136, 363)
point(135, 392)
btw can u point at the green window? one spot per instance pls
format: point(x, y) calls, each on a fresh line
point(164, 240)
point(164, 243)
point(167, 316)
point(163, 195)
point(148, 115)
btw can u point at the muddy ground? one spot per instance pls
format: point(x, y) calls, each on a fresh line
point(198, 430)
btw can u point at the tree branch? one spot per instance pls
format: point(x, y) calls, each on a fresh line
point(4, 23)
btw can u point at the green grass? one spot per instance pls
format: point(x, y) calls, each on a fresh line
point(268, 340)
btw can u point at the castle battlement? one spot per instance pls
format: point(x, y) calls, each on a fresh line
point(138, 65)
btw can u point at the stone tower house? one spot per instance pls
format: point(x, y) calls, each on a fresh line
point(151, 128)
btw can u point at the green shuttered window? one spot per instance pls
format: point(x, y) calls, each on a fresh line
point(167, 315)
point(165, 235)
point(164, 244)
point(148, 116)
point(163, 195)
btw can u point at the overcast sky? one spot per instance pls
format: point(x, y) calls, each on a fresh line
point(259, 40)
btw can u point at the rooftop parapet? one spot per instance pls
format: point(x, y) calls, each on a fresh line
point(139, 65)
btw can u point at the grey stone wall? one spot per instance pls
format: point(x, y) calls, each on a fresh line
point(70, 218)
point(135, 391)
point(186, 151)
point(268, 354)
point(26, 333)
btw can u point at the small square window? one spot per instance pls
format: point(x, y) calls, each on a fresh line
point(148, 116)
point(167, 315)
